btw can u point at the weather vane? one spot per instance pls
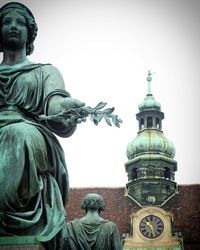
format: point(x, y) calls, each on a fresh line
point(149, 79)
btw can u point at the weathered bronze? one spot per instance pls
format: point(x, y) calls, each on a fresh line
point(92, 231)
point(33, 106)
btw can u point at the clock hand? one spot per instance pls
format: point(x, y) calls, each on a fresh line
point(151, 227)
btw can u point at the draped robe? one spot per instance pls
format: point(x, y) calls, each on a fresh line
point(33, 173)
point(99, 235)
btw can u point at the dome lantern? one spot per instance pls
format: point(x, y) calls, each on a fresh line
point(149, 101)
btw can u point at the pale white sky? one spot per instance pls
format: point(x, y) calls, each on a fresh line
point(104, 49)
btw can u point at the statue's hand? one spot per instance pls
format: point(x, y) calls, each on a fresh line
point(72, 111)
point(70, 103)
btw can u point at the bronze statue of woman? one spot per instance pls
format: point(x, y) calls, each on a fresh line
point(33, 173)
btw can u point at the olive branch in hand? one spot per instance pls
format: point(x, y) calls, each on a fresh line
point(96, 115)
point(76, 115)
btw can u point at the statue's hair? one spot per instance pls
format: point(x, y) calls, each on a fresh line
point(30, 23)
point(93, 201)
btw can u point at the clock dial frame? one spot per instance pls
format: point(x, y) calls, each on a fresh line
point(151, 226)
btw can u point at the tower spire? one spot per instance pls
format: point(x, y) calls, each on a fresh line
point(149, 79)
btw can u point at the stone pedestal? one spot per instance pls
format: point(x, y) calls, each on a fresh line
point(20, 243)
point(22, 247)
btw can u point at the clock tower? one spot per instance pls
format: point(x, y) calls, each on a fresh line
point(151, 180)
point(152, 230)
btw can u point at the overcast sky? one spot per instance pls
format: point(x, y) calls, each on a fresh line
point(104, 49)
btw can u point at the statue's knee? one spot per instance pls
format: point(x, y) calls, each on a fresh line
point(21, 131)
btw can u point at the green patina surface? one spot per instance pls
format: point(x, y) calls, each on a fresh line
point(34, 107)
point(18, 240)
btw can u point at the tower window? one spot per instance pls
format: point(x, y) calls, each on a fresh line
point(158, 124)
point(167, 173)
point(149, 122)
point(141, 123)
point(134, 174)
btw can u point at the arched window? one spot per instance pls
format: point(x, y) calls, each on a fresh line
point(134, 174)
point(158, 124)
point(149, 122)
point(167, 174)
point(141, 123)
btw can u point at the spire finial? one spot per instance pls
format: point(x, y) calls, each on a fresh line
point(149, 79)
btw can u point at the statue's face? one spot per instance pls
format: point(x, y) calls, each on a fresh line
point(14, 31)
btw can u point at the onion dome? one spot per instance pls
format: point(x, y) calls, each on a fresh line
point(150, 138)
point(150, 141)
point(149, 103)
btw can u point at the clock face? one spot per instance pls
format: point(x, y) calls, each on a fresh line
point(151, 226)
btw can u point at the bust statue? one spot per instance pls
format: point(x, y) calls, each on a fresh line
point(92, 231)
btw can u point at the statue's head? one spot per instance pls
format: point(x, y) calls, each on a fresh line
point(30, 23)
point(93, 202)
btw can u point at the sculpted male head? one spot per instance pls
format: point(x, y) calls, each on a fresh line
point(93, 202)
point(30, 23)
